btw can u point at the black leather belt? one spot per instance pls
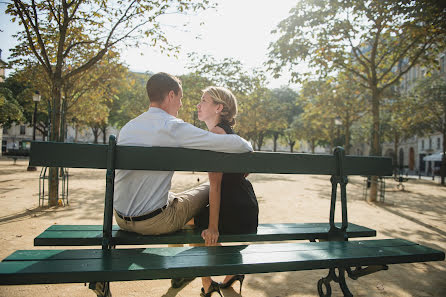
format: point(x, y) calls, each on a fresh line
point(143, 217)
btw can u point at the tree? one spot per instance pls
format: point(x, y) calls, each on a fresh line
point(376, 41)
point(316, 123)
point(26, 82)
point(193, 85)
point(290, 136)
point(395, 121)
point(349, 103)
point(131, 99)
point(248, 87)
point(10, 110)
point(68, 37)
point(89, 97)
point(281, 110)
point(253, 113)
point(429, 101)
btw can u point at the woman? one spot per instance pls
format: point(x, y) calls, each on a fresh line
point(233, 207)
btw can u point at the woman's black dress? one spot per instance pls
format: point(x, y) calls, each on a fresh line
point(239, 209)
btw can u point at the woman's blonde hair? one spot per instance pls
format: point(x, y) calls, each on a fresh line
point(221, 95)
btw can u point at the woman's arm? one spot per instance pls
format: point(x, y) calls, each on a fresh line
point(211, 234)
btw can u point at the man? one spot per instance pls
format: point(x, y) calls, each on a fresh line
point(142, 200)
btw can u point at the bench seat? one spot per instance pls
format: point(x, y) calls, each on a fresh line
point(89, 235)
point(78, 266)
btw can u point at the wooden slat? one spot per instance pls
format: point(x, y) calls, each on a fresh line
point(181, 159)
point(88, 235)
point(69, 155)
point(63, 266)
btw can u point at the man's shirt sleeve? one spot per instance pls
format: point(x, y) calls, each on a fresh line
point(189, 136)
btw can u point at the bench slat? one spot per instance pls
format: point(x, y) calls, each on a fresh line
point(87, 235)
point(62, 266)
point(52, 154)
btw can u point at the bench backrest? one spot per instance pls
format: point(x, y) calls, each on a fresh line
point(112, 156)
point(76, 155)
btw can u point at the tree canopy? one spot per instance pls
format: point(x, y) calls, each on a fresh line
point(67, 38)
point(376, 41)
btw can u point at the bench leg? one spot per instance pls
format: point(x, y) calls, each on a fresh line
point(340, 279)
point(360, 271)
point(102, 289)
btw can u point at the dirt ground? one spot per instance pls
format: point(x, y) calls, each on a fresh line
point(417, 214)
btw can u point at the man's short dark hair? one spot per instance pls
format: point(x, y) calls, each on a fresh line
point(160, 84)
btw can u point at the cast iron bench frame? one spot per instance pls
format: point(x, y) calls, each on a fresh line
point(338, 254)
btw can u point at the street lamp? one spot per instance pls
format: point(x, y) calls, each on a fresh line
point(36, 99)
point(338, 124)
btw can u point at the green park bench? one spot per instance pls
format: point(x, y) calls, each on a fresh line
point(103, 265)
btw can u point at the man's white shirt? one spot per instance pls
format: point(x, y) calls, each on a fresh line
point(138, 192)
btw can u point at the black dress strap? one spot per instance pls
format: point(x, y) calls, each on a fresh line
point(225, 126)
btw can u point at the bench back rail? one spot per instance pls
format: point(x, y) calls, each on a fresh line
point(113, 157)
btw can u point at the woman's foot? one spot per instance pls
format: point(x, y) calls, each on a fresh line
point(213, 287)
point(230, 279)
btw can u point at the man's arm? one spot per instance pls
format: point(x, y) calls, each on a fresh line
point(189, 136)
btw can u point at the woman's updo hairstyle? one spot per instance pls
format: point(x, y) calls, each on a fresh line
point(221, 95)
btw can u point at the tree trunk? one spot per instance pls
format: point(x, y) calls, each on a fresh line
point(313, 146)
point(396, 143)
point(95, 133)
point(104, 134)
point(53, 176)
point(443, 159)
point(376, 148)
point(260, 142)
point(347, 137)
point(76, 132)
point(291, 143)
point(275, 137)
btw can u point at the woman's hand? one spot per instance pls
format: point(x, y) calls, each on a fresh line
point(210, 236)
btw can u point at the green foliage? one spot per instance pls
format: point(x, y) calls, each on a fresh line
point(70, 37)
point(428, 99)
point(249, 88)
point(193, 84)
point(10, 110)
point(282, 108)
point(377, 35)
point(87, 96)
point(376, 41)
point(316, 123)
point(131, 99)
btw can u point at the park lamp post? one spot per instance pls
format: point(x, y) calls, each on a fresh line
point(338, 124)
point(36, 99)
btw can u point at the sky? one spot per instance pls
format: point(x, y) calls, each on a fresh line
point(239, 29)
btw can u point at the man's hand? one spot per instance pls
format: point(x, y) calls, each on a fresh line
point(210, 236)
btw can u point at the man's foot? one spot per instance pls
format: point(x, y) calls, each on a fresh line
point(178, 282)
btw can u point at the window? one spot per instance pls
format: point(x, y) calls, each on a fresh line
point(5, 130)
point(422, 144)
point(22, 129)
point(430, 143)
point(438, 143)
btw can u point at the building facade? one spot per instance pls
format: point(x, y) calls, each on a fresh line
point(17, 139)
